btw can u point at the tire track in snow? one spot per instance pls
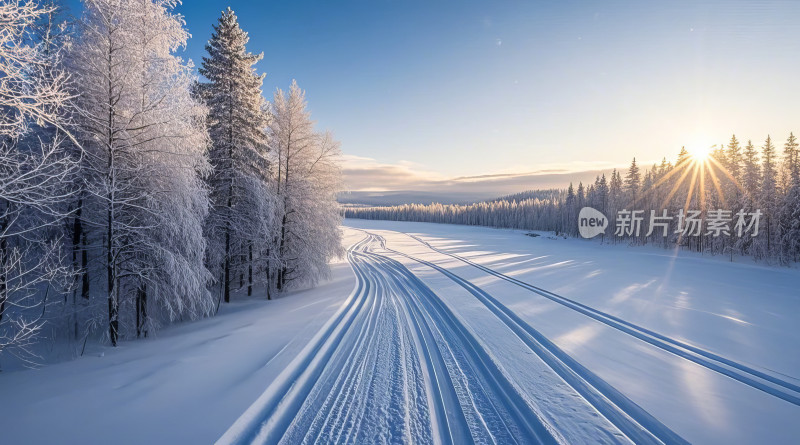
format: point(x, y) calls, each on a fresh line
point(385, 369)
point(504, 416)
point(270, 415)
point(510, 420)
point(752, 377)
point(395, 364)
point(372, 374)
point(375, 405)
point(636, 423)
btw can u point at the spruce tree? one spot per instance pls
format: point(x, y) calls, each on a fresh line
point(683, 157)
point(569, 206)
point(237, 121)
point(790, 207)
point(602, 193)
point(633, 181)
point(751, 171)
point(768, 195)
point(792, 159)
point(734, 158)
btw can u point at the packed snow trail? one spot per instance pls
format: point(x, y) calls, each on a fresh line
point(754, 378)
point(396, 365)
point(635, 422)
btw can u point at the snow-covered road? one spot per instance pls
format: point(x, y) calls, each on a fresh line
point(422, 353)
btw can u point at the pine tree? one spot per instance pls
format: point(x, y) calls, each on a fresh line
point(569, 210)
point(790, 225)
point(768, 196)
point(733, 157)
point(237, 120)
point(633, 181)
point(792, 159)
point(663, 167)
point(602, 193)
point(750, 182)
point(790, 207)
point(683, 158)
point(751, 171)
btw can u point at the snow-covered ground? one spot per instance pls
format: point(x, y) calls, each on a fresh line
point(188, 385)
point(631, 316)
point(451, 334)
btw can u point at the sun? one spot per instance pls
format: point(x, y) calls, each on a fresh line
point(701, 174)
point(700, 152)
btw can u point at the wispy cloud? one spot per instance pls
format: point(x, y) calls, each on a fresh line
point(367, 174)
point(362, 173)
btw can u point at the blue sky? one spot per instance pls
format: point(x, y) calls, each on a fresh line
point(421, 92)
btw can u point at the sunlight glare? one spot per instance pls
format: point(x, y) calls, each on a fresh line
point(700, 152)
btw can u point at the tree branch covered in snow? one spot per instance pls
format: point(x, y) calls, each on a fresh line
point(35, 171)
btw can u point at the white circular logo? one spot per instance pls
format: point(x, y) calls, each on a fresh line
point(591, 222)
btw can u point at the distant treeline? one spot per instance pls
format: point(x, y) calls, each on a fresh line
point(733, 178)
point(552, 194)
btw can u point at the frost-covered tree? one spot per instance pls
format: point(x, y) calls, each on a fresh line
point(768, 199)
point(633, 181)
point(750, 182)
point(732, 174)
point(34, 168)
point(30, 91)
point(239, 182)
point(570, 210)
point(751, 171)
point(145, 141)
point(790, 206)
point(791, 161)
point(308, 178)
point(172, 137)
point(601, 193)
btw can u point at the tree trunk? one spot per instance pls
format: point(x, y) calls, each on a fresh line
point(282, 270)
point(77, 232)
point(141, 311)
point(3, 265)
point(227, 277)
point(269, 277)
point(243, 260)
point(138, 309)
point(250, 270)
point(111, 267)
point(85, 268)
point(113, 302)
point(226, 281)
point(79, 248)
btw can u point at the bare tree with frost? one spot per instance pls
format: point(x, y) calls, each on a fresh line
point(33, 168)
point(145, 141)
point(307, 173)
